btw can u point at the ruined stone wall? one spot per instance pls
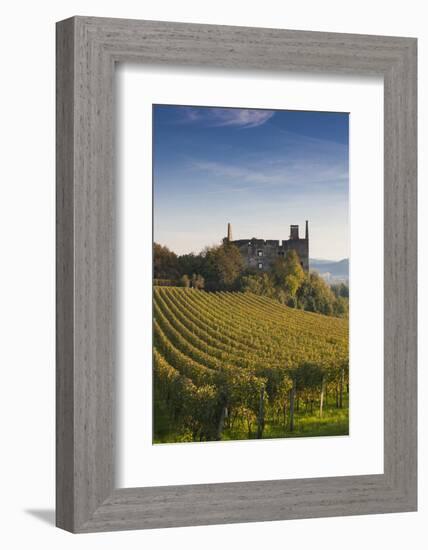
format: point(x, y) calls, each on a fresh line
point(259, 254)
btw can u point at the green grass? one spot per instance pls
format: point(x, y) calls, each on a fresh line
point(334, 422)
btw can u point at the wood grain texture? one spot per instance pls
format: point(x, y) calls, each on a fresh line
point(87, 49)
point(64, 277)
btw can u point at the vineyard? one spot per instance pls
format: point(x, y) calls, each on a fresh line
point(233, 365)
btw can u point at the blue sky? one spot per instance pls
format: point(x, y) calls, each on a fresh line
point(259, 170)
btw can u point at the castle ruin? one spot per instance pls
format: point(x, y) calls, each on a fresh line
point(259, 254)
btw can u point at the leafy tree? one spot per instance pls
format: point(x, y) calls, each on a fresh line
point(316, 295)
point(190, 263)
point(262, 285)
point(165, 263)
point(340, 290)
point(185, 281)
point(222, 266)
point(291, 284)
point(341, 307)
point(198, 281)
point(288, 270)
point(288, 276)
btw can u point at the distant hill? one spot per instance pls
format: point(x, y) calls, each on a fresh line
point(331, 271)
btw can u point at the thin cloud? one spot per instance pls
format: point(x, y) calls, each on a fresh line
point(219, 169)
point(217, 117)
point(296, 174)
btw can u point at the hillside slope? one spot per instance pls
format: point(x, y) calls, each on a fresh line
point(222, 349)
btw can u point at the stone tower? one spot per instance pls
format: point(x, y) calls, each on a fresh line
point(229, 233)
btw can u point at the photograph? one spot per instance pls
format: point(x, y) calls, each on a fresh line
point(250, 274)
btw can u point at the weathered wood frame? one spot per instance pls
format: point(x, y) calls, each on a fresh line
point(87, 50)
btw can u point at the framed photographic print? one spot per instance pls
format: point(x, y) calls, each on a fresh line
point(236, 274)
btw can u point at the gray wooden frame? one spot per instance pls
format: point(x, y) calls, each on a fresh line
point(87, 50)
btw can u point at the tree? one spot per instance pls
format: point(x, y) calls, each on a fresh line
point(288, 276)
point(288, 269)
point(340, 290)
point(341, 307)
point(165, 263)
point(190, 263)
point(261, 284)
point(223, 265)
point(185, 281)
point(291, 284)
point(316, 295)
point(198, 281)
